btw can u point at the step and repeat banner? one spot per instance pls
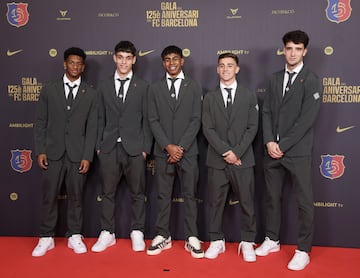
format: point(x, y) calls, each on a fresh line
point(34, 35)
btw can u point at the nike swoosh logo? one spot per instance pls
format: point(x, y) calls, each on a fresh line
point(231, 202)
point(143, 53)
point(339, 129)
point(280, 52)
point(11, 53)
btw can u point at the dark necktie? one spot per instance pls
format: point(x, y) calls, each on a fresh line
point(121, 89)
point(172, 88)
point(228, 100)
point(70, 97)
point(288, 85)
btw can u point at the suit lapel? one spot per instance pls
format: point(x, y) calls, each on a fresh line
point(279, 85)
point(109, 92)
point(295, 85)
point(220, 102)
point(79, 95)
point(164, 89)
point(130, 92)
point(60, 95)
point(236, 104)
point(110, 87)
point(183, 86)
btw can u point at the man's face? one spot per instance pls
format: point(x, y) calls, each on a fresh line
point(74, 67)
point(294, 54)
point(227, 70)
point(173, 64)
point(124, 62)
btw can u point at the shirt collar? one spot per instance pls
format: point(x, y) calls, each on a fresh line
point(116, 75)
point(76, 82)
point(297, 69)
point(179, 76)
point(232, 85)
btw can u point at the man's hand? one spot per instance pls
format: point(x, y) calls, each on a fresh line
point(84, 166)
point(274, 150)
point(42, 161)
point(231, 158)
point(175, 153)
point(238, 162)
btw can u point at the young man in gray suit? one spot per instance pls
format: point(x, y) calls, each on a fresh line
point(65, 137)
point(291, 106)
point(175, 119)
point(124, 141)
point(230, 123)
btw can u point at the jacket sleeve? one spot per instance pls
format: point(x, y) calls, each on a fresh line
point(91, 130)
point(208, 126)
point(148, 137)
point(267, 117)
point(101, 118)
point(194, 125)
point(154, 121)
point(41, 121)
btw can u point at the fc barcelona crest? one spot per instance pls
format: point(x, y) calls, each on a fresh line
point(338, 10)
point(17, 14)
point(21, 160)
point(332, 166)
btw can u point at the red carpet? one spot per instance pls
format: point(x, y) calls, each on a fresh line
point(121, 261)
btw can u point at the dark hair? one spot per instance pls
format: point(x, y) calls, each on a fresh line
point(171, 49)
point(296, 37)
point(229, 55)
point(74, 51)
point(125, 46)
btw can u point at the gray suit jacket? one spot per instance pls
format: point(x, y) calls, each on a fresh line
point(129, 122)
point(175, 125)
point(58, 131)
point(292, 117)
point(236, 132)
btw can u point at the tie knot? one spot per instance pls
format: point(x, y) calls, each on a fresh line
point(122, 81)
point(291, 74)
point(228, 90)
point(71, 87)
point(173, 80)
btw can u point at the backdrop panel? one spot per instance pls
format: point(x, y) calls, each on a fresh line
point(34, 35)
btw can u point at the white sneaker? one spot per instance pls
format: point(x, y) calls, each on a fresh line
point(137, 240)
point(300, 260)
point(193, 245)
point(45, 244)
point(104, 241)
point(216, 247)
point(247, 249)
point(158, 244)
point(75, 242)
point(268, 246)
